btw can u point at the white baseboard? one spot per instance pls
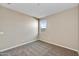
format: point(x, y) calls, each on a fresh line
point(16, 46)
point(60, 46)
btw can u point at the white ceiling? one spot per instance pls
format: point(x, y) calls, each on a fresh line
point(39, 9)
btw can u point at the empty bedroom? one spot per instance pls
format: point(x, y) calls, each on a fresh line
point(39, 29)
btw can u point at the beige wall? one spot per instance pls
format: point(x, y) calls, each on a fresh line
point(18, 28)
point(78, 28)
point(62, 29)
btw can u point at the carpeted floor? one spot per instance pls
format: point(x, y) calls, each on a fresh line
point(39, 48)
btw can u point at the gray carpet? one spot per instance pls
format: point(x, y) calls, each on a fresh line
point(39, 48)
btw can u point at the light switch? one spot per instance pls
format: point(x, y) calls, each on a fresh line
point(1, 33)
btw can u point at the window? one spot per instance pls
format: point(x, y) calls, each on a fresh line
point(43, 24)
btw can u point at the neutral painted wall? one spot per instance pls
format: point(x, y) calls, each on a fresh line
point(78, 28)
point(18, 28)
point(62, 29)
